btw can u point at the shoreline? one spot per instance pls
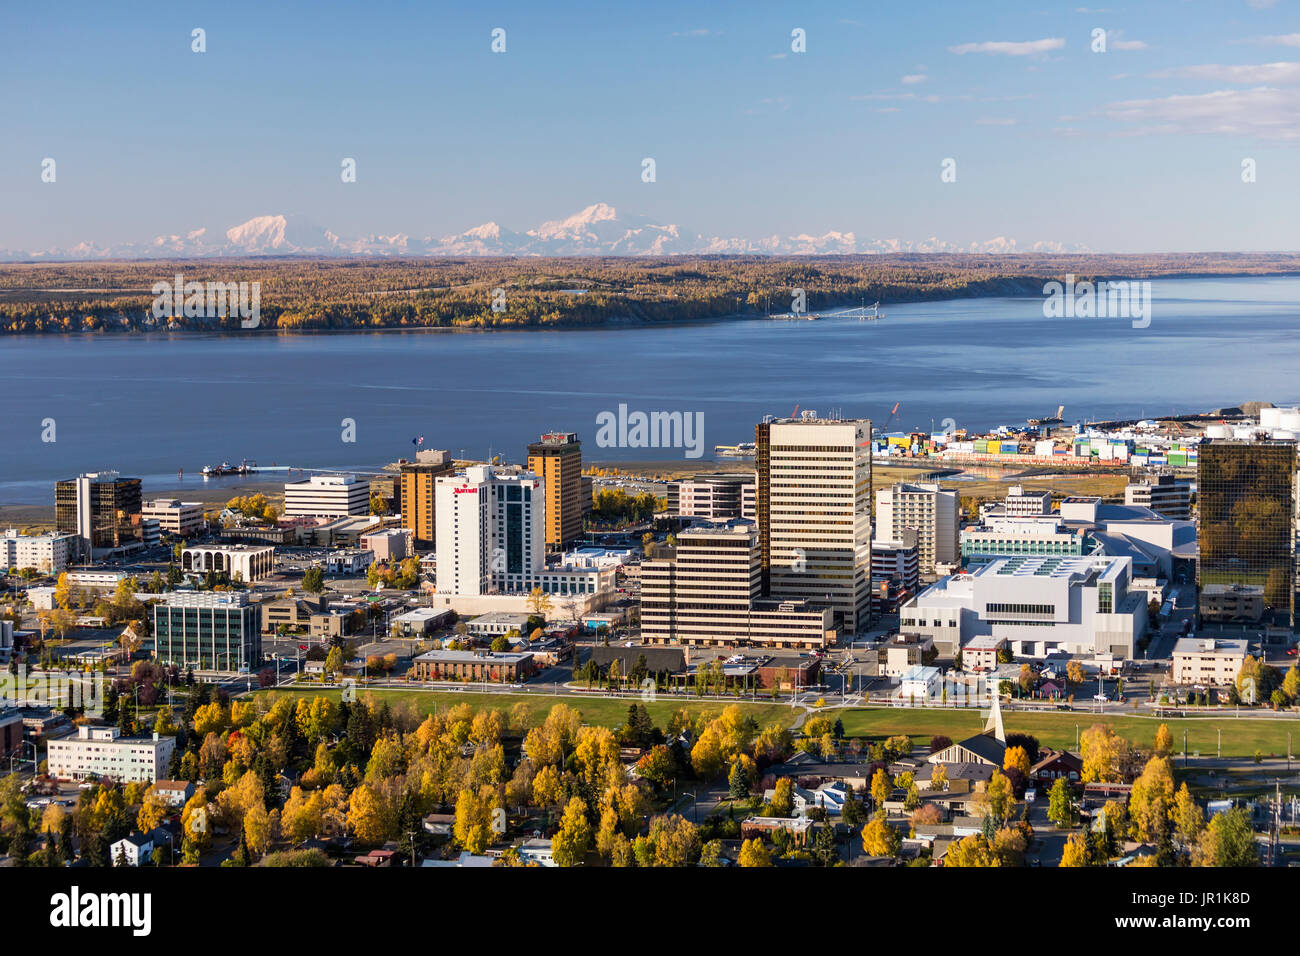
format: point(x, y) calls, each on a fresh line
point(1005, 286)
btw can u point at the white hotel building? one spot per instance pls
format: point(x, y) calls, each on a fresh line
point(491, 541)
point(104, 752)
point(326, 496)
point(1040, 605)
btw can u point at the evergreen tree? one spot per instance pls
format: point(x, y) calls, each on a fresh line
point(824, 850)
point(20, 846)
point(737, 781)
point(66, 849)
point(97, 851)
point(53, 856)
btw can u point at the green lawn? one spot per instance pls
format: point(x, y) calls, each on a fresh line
point(1241, 736)
point(599, 711)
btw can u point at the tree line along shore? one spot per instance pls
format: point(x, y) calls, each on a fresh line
point(317, 294)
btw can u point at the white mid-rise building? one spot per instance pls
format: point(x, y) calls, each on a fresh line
point(47, 553)
point(180, 518)
point(103, 752)
point(813, 514)
point(243, 562)
point(1166, 495)
point(1208, 662)
point(1081, 606)
point(1021, 503)
point(491, 538)
point(927, 509)
point(326, 496)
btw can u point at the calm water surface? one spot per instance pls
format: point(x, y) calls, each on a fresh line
point(150, 405)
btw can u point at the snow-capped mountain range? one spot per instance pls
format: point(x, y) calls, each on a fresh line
point(596, 230)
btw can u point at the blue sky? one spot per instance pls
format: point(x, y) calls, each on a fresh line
point(1135, 149)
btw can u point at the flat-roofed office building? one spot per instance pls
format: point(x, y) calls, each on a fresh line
point(1207, 661)
point(326, 496)
point(175, 517)
point(1039, 605)
point(1166, 495)
point(814, 514)
point(714, 497)
point(709, 593)
point(208, 630)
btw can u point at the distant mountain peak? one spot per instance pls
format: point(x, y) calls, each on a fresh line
point(595, 230)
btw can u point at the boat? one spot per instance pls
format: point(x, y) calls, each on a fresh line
point(245, 467)
point(1051, 420)
point(874, 315)
point(744, 450)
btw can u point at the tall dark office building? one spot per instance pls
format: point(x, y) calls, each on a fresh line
point(1246, 497)
point(102, 509)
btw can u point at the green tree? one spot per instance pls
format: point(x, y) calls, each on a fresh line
point(1060, 807)
point(1229, 840)
point(313, 580)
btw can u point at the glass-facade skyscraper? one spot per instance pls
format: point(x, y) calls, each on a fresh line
point(1246, 504)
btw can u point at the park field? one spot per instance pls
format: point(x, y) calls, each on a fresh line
point(597, 711)
point(1241, 736)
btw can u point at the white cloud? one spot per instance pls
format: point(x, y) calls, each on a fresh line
point(1011, 47)
point(1262, 112)
point(698, 32)
point(1128, 45)
point(1280, 39)
point(913, 78)
point(1280, 73)
point(995, 121)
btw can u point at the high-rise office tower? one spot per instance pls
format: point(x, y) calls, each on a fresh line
point(1246, 502)
point(416, 497)
point(557, 459)
point(814, 513)
point(102, 509)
